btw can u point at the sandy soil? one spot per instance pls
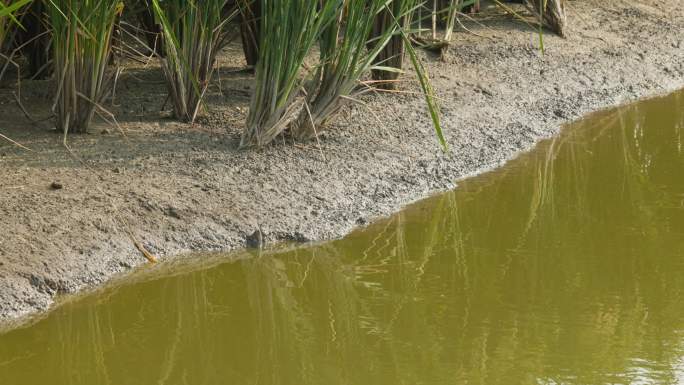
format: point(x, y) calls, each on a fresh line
point(186, 188)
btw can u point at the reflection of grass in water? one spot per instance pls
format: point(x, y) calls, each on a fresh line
point(96, 334)
point(567, 163)
point(281, 328)
point(562, 269)
point(577, 159)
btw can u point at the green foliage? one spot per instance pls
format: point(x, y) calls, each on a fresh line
point(82, 47)
point(8, 11)
point(194, 31)
point(352, 34)
point(291, 91)
point(440, 14)
point(288, 30)
point(344, 60)
point(8, 19)
point(390, 59)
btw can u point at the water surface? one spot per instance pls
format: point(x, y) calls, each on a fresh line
point(565, 266)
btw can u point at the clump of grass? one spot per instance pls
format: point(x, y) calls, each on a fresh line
point(344, 60)
point(8, 19)
point(6, 15)
point(551, 14)
point(441, 14)
point(250, 14)
point(151, 30)
point(34, 40)
point(8, 23)
point(81, 50)
point(194, 31)
point(390, 59)
point(288, 30)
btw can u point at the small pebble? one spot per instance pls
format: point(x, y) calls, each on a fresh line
point(256, 240)
point(56, 186)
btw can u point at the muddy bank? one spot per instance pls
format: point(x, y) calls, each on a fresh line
point(182, 188)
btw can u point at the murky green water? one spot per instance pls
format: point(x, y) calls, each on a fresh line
point(566, 266)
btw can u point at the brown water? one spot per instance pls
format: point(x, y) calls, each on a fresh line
point(565, 266)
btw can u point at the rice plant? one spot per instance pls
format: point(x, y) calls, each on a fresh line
point(194, 31)
point(250, 13)
point(6, 15)
point(33, 40)
point(288, 30)
point(551, 13)
point(8, 22)
point(441, 14)
point(30, 37)
point(151, 30)
point(81, 49)
point(391, 56)
point(8, 10)
point(344, 60)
